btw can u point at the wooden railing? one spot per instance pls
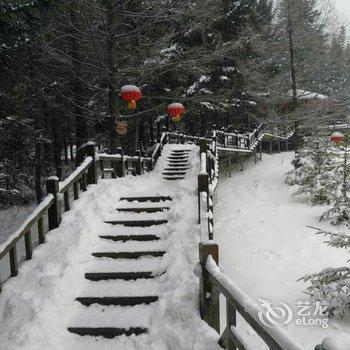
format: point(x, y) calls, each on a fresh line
point(213, 283)
point(47, 215)
point(207, 183)
point(244, 142)
point(119, 165)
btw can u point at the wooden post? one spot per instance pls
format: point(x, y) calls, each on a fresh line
point(279, 146)
point(120, 169)
point(90, 151)
point(270, 146)
point(76, 190)
point(203, 146)
point(209, 296)
point(102, 169)
point(41, 230)
point(28, 244)
point(203, 186)
point(260, 150)
point(138, 167)
point(286, 147)
point(231, 320)
point(54, 212)
point(13, 261)
point(159, 133)
point(66, 200)
point(211, 219)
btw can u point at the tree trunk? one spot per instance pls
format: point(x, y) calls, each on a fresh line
point(111, 8)
point(77, 85)
point(37, 159)
point(290, 31)
point(56, 146)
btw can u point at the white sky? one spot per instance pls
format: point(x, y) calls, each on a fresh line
point(343, 7)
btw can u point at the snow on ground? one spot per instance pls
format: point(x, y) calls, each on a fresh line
point(37, 306)
point(265, 246)
point(12, 218)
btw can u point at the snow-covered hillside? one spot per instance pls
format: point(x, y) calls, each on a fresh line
point(265, 246)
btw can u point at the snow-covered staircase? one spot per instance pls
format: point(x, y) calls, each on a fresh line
point(134, 263)
point(123, 275)
point(177, 166)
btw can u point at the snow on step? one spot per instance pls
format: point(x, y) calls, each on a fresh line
point(111, 316)
point(120, 288)
point(137, 223)
point(125, 238)
point(127, 276)
point(118, 301)
point(129, 246)
point(129, 255)
point(159, 230)
point(123, 265)
point(143, 209)
point(146, 199)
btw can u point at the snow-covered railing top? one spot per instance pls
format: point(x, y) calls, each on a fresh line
point(275, 337)
point(49, 210)
point(240, 142)
point(207, 182)
point(50, 207)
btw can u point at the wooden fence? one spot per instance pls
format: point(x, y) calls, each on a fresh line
point(47, 215)
point(213, 283)
point(248, 141)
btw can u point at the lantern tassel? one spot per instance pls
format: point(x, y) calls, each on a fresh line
point(132, 104)
point(177, 118)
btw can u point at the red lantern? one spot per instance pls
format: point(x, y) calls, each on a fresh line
point(175, 110)
point(131, 94)
point(337, 137)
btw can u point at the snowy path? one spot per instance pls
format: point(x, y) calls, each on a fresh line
point(265, 245)
point(37, 306)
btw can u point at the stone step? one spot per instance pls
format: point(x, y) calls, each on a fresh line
point(126, 276)
point(144, 210)
point(117, 301)
point(125, 238)
point(180, 150)
point(178, 157)
point(137, 223)
point(147, 199)
point(173, 178)
point(176, 168)
point(107, 332)
point(180, 161)
point(174, 173)
point(128, 255)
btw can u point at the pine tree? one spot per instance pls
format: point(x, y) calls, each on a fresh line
point(332, 285)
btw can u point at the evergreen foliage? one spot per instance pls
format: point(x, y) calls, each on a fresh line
point(332, 285)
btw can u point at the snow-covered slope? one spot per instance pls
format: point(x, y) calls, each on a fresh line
point(37, 306)
point(265, 246)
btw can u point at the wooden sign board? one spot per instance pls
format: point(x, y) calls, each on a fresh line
point(121, 128)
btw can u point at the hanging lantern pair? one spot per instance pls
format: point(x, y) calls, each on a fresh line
point(338, 138)
point(175, 110)
point(131, 94)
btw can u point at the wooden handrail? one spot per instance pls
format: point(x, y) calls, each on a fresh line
point(276, 338)
point(76, 174)
point(40, 210)
point(86, 174)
